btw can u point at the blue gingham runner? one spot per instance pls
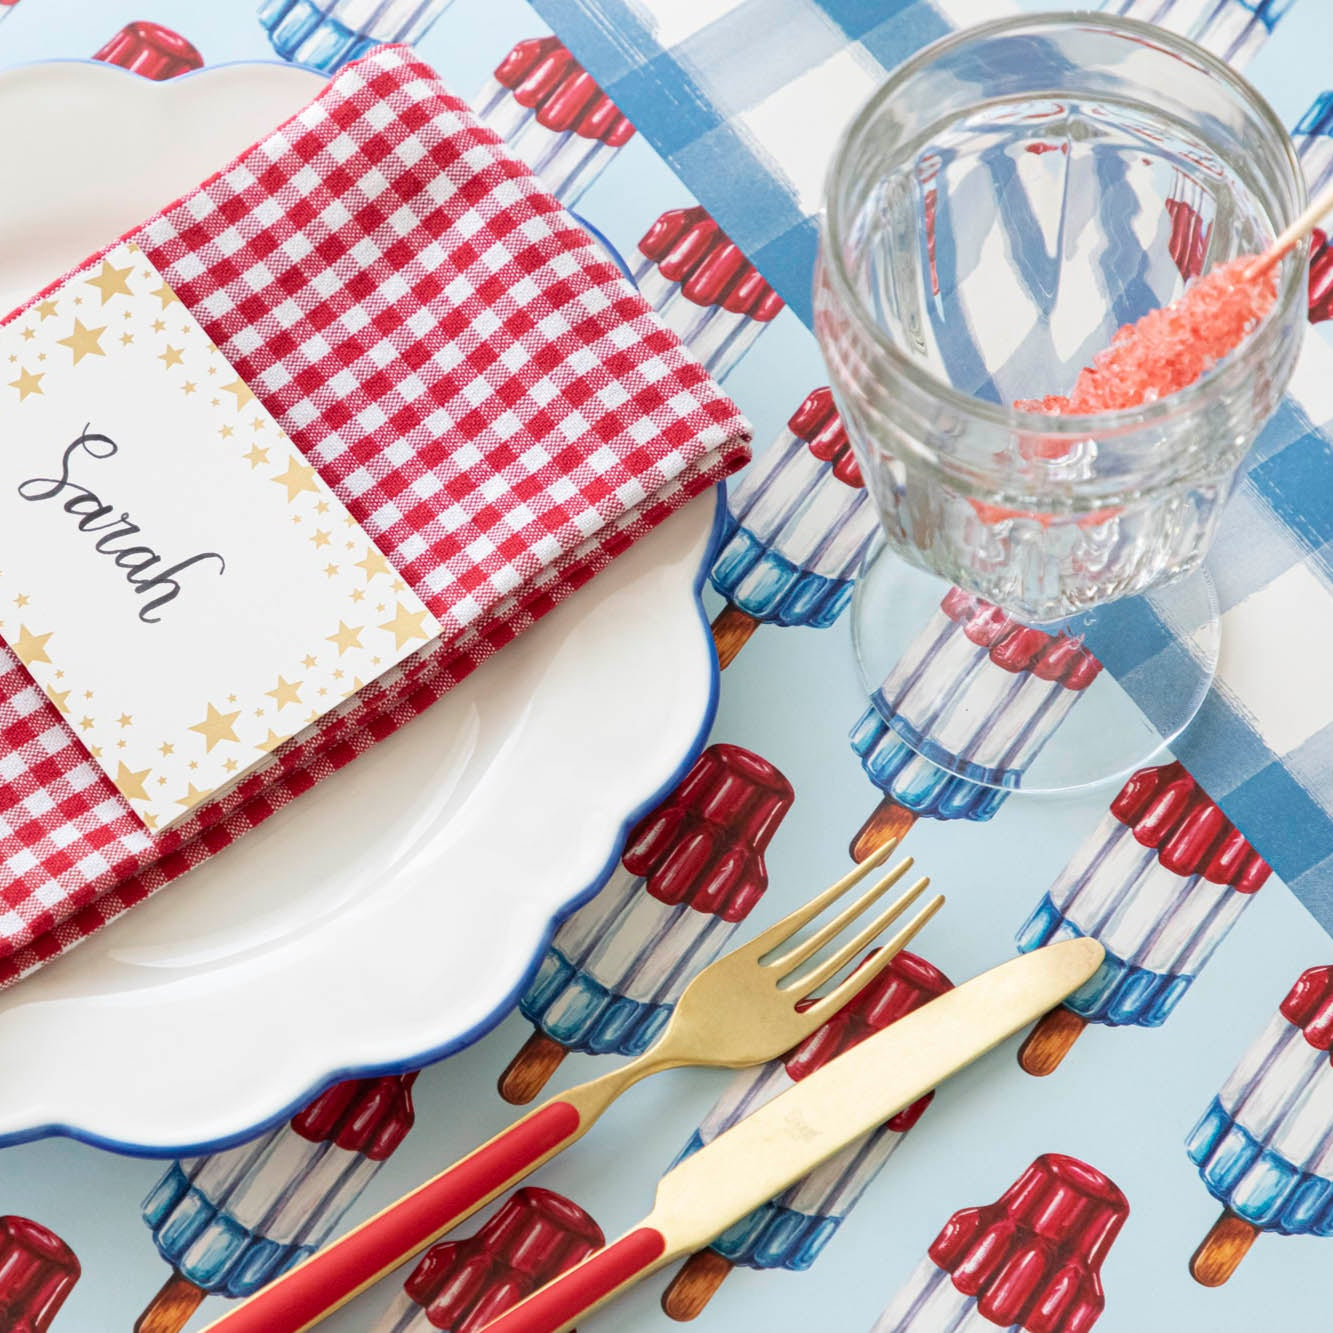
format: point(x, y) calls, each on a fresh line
point(746, 98)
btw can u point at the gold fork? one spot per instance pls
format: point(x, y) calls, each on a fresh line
point(739, 1011)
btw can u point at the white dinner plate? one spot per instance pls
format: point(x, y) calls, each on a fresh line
point(392, 913)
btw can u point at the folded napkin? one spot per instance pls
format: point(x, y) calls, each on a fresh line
point(494, 404)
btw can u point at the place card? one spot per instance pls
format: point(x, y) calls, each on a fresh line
point(173, 573)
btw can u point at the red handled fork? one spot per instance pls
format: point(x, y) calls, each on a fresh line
point(739, 1011)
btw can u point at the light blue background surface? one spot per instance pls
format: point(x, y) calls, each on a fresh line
point(1124, 1099)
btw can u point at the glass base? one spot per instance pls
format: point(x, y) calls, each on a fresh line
point(1010, 727)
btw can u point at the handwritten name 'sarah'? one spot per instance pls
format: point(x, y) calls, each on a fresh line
point(138, 562)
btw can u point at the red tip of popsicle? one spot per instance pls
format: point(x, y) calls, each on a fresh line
point(1189, 238)
point(688, 247)
point(1321, 277)
point(371, 1116)
point(1166, 809)
point(1033, 1258)
point(37, 1272)
point(151, 50)
point(817, 422)
point(545, 78)
point(907, 983)
point(704, 844)
point(1309, 1005)
point(1017, 648)
point(465, 1284)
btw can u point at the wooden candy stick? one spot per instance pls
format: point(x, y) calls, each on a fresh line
point(1319, 205)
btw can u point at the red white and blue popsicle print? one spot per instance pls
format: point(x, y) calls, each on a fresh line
point(1159, 882)
point(977, 690)
point(1031, 1260)
point(693, 870)
point(799, 524)
point(554, 116)
point(326, 34)
point(1234, 30)
point(1264, 1147)
point(460, 1286)
point(37, 1273)
point(791, 1231)
point(696, 278)
point(234, 1220)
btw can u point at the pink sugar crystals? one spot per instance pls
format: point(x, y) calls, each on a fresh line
point(1170, 348)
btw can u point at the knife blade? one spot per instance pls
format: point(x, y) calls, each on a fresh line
point(791, 1135)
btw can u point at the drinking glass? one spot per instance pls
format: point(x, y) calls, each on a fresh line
point(1007, 200)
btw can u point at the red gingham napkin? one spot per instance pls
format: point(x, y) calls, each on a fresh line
point(497, 407)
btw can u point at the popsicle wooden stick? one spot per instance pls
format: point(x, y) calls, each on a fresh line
point(1319, 205)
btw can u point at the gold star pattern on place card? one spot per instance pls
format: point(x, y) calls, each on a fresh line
point(285, 692)
point(205, 720)
point(346, 637)
point(374, 563)
point(241, 391)
point(406, 626)
point(27, 383)
point(298, 478)
point(83, 341)
point(193, 796)
point(30, 648)
point(217, 727)
point(111, 281)
point(132, 784)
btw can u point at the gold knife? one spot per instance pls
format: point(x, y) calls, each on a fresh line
point(780, 1142)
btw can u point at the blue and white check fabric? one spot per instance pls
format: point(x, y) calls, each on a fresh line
point(746, 99)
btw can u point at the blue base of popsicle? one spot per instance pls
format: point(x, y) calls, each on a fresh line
point(772, 1236)
point(772, 589)
point(896, 769)
point(920, 741)
point(1257, 1183)
point(576, 1010)
point(300, 30)
point(1119, 994)
point(209, 1248)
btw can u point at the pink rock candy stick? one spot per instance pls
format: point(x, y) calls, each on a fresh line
point(1170, 348)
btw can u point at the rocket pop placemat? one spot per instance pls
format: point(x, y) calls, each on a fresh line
point(1155, 1155)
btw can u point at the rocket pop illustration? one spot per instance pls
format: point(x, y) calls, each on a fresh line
point(151, 50)
point(1189, 205)
point(554, 116)
point(976, 689)
point(230, 1222)
point(1264, 1148)
point(1031, 1260)
point(7, 7)
point(460, 1286)
point(326, 34)
point(1159, 883)
point(799, 523)
point(692, 870)
point(791, 1231)
point(37, 1273)
point(697, 279)
point(1313, 137)
point(1235, 30)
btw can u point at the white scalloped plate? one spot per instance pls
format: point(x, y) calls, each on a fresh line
point(392, 913)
